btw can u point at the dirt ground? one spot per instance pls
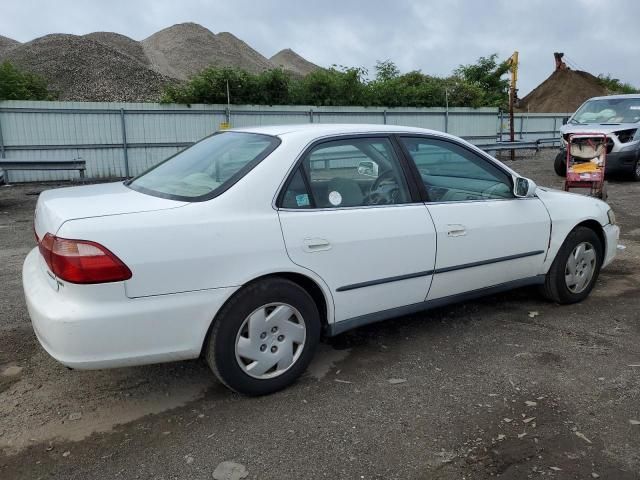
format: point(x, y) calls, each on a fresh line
point(509, 386)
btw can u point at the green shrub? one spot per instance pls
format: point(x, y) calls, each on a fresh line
point(18, 85)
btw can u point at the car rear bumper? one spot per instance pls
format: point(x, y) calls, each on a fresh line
point(612, 234)
point(105, 329)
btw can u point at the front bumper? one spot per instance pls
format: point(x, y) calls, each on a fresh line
point(612, 234)
point(97, 326)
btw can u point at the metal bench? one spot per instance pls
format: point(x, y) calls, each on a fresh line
point(7, 165)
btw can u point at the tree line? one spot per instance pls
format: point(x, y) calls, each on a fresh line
point(480, 84)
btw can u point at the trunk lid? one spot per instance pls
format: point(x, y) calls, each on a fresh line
point(59, 205)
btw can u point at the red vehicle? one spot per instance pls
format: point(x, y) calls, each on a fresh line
point(586, 162)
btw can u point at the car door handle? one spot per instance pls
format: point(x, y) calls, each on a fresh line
point(316, 244)
point(456, 230)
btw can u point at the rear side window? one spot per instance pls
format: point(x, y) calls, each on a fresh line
point(297, 195)
point(207, 168)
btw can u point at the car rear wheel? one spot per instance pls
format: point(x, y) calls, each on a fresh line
point(264, 338)
point(575, 268)
point(560, 165)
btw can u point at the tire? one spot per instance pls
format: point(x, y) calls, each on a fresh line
point(285, 329)
point(557, 286)
point(635, 173)
point(560, 165)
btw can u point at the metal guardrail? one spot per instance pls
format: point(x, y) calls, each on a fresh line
point(8, 165)
point(519, 145)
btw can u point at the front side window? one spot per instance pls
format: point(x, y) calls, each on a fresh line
point(348, 173)
point(451, 173)
point(206, 168)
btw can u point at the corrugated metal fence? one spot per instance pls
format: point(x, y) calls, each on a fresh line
point(123, 139)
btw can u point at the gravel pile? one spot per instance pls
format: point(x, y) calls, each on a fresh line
point(290, 60)
point(6, 44)
point(121, 43)
point(82, 69)
point(106, 66)
point(187, 48)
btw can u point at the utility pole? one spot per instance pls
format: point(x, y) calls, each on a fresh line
point(227, 123)
point(513, 92)
point(446, 112)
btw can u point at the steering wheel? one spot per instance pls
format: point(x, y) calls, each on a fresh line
point(383, 197)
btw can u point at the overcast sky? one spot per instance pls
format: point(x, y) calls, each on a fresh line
point(435, 36)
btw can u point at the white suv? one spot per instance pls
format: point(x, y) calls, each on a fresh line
point(617, 116)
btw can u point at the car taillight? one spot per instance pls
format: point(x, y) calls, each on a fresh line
point(82, 261)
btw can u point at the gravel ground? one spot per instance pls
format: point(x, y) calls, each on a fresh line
point(508, 386)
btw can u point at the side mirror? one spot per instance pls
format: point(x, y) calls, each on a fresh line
point(524, 188)
point(368, 168)
point(565, 120)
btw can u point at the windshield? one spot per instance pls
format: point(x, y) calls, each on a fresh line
point(207, 168)
point(608, 110)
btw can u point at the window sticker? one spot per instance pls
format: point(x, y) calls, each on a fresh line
point(302, 200)
point(335, 198)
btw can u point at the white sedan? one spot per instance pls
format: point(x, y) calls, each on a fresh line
point(251, 244)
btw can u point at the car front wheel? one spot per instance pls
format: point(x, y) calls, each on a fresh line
point(264, 338)
point(635, 174)
point(575, 268)
point(560, 165)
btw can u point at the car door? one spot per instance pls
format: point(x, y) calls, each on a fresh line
point(349, 214)
point(485, 235)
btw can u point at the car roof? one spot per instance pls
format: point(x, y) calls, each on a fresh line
point(324, 129)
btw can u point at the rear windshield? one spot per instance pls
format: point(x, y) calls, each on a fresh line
point(207, 168)
point(608, 110)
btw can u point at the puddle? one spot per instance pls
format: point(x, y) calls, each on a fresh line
point(102, 420)
point(326, 358)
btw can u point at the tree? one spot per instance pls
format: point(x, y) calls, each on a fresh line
point(487, 74)
point(18, 85)
point(333, 86)
point(386, 70)
point(614, 85)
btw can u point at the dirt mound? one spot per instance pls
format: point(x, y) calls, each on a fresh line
point(7, 43)
point(290, 60)
point(187, 48)
point(563, 92)
point(121, 43)
point(82, 69)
